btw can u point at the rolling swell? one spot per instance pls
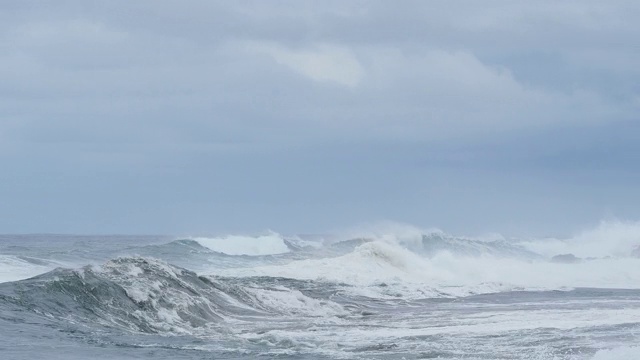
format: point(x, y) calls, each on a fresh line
point(150, 296)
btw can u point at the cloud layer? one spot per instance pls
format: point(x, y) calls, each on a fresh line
point(161, 87)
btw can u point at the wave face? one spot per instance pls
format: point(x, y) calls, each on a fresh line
point(378, 294)
point(151, 296)
point(14, 268)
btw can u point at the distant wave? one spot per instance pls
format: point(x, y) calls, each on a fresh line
point(609, 238)
point(269, 244)
point(13, 267)
point(385, 269)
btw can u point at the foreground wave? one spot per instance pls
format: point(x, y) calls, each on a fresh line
point(148, 295)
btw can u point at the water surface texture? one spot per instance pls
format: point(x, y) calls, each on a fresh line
point(426, 295)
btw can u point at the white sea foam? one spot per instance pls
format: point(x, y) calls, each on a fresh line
point(13, 268)
point(609, 238)
point(293, 302)
point(274, 316)
point(268, 244)
point(387, 231)
point(406, 328)
point(402, 272)
point(619, 353)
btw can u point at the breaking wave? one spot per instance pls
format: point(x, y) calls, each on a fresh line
point(608, 239)
point(379, 268)
point(389, 290)
point(151, 296)
point(13, 267)
point(399, 261)
point(269, 244)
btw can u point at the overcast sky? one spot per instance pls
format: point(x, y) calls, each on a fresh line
point(204, 117)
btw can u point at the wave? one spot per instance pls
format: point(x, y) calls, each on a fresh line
point(612, 238)
point(430, 242)
point(383, 269)
point(405, 264)
point(607, 239)
point(268, 244)
point(619, 353)
point(15, 267)
point(369, 286)
point(151, 296)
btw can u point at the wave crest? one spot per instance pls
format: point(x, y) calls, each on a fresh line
point(269, 244)
point(149, 295)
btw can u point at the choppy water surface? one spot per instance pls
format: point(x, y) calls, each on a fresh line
point(376, 296)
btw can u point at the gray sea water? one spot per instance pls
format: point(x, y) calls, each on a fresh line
point(430, 296)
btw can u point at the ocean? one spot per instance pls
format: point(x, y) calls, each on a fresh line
point(403, 294)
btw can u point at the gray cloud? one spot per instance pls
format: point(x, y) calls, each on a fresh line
point(228, 90)
point(123, 64)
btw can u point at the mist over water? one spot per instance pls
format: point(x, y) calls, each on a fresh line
point(384, 291)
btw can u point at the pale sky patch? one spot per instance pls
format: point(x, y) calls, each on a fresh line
point(321, 62)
